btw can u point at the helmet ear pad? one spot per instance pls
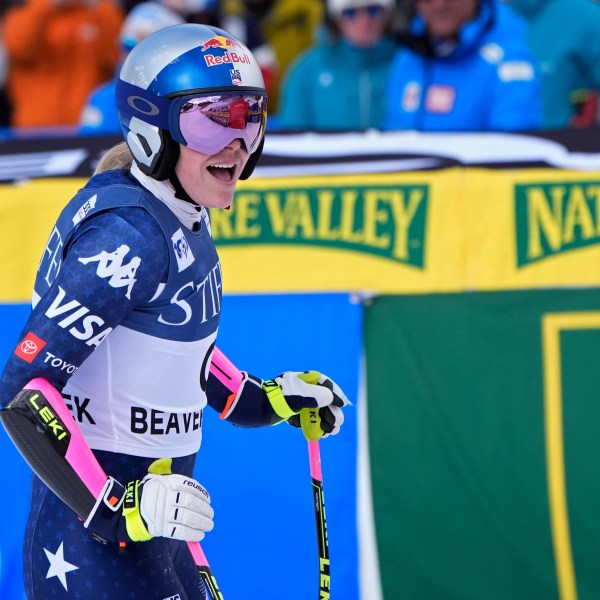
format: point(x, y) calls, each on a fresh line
point(153, 149)
point(252, 160)
point(165, 165)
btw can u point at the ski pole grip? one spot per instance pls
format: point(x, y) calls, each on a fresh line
point(311, 424)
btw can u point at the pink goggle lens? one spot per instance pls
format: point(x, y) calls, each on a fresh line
point(210, 123)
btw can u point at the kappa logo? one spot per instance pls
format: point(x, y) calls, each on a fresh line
point(183, 252)
point(29, 347)
point(110, 264)
point(175, 597)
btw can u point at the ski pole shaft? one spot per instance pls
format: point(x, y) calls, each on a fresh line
point(309, 422)
point(314, 454)
point(210, 583)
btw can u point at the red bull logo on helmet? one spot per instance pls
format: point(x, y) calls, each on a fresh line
point(220, 42)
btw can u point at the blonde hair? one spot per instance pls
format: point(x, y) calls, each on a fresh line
point(117, 157)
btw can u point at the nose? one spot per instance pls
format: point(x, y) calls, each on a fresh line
point(235, 144)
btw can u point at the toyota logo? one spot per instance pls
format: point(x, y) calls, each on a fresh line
point(28, 347)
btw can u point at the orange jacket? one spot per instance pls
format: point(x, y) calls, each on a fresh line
point(58, 51)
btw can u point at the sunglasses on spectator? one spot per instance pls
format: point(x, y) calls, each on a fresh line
point(372, 10)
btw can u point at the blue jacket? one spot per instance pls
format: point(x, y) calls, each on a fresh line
point(488, 82)
point(565, 38)
point(337, 86)
point(99, 116)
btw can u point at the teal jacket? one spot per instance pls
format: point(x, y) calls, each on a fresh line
point(565, 38)
point(336, 86)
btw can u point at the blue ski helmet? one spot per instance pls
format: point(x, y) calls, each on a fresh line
point(190, 84)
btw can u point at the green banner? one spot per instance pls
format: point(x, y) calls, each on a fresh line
point(384, 221)
point(483, 421)
point(555, 217)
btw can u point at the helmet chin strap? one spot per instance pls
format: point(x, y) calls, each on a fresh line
point(181, 194)
point(180, 191)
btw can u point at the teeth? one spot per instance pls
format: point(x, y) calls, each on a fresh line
point(224, 166)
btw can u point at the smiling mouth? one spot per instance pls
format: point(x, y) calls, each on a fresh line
point(224, 172)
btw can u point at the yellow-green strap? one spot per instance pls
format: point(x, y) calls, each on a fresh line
point(277, 399)
point(136, 529)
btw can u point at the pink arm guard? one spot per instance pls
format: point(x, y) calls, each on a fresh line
point(225, 371)
point(229, 375)
point(247, 404)
point(42, 429)
point(78, 455)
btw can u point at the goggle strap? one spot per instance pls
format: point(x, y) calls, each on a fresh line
point(150, 108)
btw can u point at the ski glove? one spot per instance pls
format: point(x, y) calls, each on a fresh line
point(172, 506)
point(291, 392)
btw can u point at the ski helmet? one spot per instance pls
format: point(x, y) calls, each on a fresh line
point(190, 84)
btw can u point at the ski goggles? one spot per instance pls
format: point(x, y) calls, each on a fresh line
point(209, 123)
point(372, 10)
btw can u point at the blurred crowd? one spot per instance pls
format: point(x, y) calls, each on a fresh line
point(329, 65)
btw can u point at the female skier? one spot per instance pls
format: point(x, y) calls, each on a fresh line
point(104, 393)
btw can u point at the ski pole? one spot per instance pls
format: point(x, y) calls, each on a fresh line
point(312, 432)
point(210, 583)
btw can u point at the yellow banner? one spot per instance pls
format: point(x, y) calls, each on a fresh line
point(28, 211)
point(416, 232)
point(532, 229)
point(350, 233)
point(420, 232)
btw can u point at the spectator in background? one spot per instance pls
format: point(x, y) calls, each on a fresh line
point(465, 66)
point(234, 19)
point(288, 26)
point(339, 84)
point(58, 51)
point(565, 38)
point(99, 116)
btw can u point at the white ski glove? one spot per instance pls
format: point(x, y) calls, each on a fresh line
point(172, 506)
point(291, 392)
